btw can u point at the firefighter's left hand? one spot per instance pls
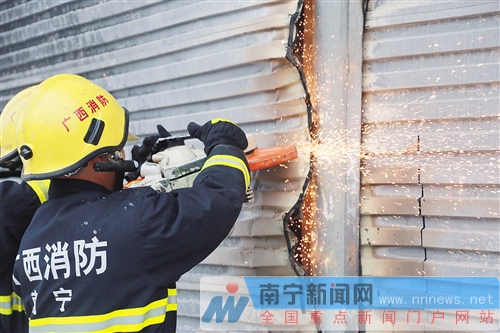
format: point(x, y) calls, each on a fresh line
point(218, 131)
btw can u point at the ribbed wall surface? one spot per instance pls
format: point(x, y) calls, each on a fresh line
point(430, 197)
point(430, 185)
point(173, 62)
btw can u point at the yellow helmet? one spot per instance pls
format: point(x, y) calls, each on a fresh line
point(67, 121)
point(8, 120)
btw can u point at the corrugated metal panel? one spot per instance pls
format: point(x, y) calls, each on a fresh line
point(430, 200)
point(173, 62)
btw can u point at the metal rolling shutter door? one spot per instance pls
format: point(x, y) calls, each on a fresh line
point(430, 201)
point(431, 119)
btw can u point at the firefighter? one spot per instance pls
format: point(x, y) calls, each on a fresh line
point(19, 203)
point(97, 258)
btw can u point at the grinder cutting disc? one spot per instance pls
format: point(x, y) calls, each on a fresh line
point(262, 158)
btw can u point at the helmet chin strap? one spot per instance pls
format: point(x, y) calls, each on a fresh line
point(120, 176)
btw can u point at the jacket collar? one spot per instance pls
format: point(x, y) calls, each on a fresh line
point(63, 187)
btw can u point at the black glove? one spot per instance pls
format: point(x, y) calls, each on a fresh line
point(218, 131)
point(144, 152)
point(148, 148)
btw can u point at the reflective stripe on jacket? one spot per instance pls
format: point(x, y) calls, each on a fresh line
point(41, 188)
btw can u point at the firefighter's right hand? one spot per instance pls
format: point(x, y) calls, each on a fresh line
point(145, 151)
point(218, 131)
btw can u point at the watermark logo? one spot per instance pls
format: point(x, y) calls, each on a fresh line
point(460, 304)
point(229, 308)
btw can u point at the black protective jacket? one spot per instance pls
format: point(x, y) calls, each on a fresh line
point(92, 260)
point(18, 203)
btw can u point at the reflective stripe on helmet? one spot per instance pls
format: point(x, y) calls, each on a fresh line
point(230, 161)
